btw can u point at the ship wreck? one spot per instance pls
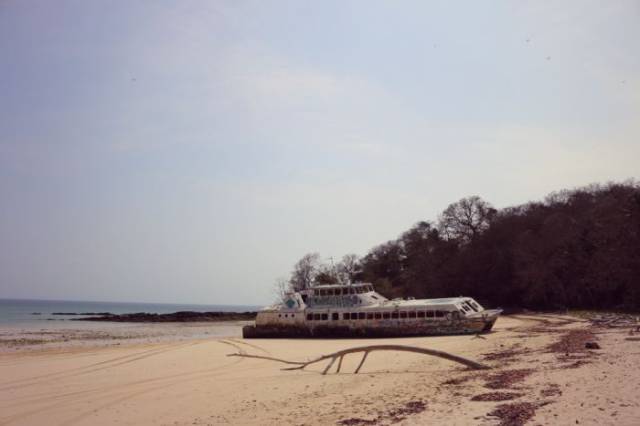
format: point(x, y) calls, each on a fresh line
point(357, 310)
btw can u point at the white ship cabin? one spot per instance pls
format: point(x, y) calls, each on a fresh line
point(356, 304)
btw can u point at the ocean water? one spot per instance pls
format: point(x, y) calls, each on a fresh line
point(39, 313)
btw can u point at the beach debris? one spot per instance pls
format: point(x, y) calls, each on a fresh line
point(496, 396)
point(572, 341)
point(616, 320)
point(339, 355)
point(551, 390)
point(356, 421)
point(506, 379)
point(393, 415)
point(463, 379)
point(515, 414)
point(591, 345)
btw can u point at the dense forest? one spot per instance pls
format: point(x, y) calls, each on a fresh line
point(576, 249)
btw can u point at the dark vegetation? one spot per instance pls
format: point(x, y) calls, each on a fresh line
point(577, 249)
point(182, 316)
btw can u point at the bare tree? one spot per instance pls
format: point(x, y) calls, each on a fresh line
point(305, 271)
point(348, 268)
point(280, 288)
point(466, 219)
point(326, 274)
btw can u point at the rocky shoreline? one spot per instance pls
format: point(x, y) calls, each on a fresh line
point(183, 316)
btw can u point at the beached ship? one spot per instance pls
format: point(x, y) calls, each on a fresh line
point(357, 310)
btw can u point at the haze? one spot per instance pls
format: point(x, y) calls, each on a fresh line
point(193, 151)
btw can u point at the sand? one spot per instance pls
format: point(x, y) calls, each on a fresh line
point(176, 380)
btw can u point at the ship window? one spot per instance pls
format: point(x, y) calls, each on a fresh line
point(309, 317)
point(412, 314)
point(385, 315)
point(471, 306)
point(345, 316)
point(316, 317)
point(439, 314)
point(279, 315)
point(354, 315)
point(352, 290)
point(474, 306)
point(420, 314)
point(394, 315)
point(360, 290)
point(378, 315)
point(370, 315)
point(403, 314)
point(361, 315)
point(325, 317)
point(430, 314)
point(466, 308)
point(293, 315)
point(335, 316)
point(286, 315)
point(373, 297)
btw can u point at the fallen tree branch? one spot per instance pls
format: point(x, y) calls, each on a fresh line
point(366, 349)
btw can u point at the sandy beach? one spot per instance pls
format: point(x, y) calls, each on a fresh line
point(178, 375)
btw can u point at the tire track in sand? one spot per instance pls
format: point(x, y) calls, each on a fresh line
point(103, 365)
point(116, 391)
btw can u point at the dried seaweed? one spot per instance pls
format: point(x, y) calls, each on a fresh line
point(496, 396)
point(506, 379)
point(516, 413)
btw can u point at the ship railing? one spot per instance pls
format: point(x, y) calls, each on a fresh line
point(337, 301)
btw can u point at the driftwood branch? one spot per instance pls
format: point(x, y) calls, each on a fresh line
point(366, 349)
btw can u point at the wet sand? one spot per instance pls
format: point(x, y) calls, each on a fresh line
point(541, 375)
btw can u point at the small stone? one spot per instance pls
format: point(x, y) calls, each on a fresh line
point(591, 345)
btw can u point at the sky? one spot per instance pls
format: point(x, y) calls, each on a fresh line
point(193, 151)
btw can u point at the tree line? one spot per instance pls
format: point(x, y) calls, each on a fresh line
point(577, 249)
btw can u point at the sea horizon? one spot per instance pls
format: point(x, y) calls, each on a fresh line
point(42, 311)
